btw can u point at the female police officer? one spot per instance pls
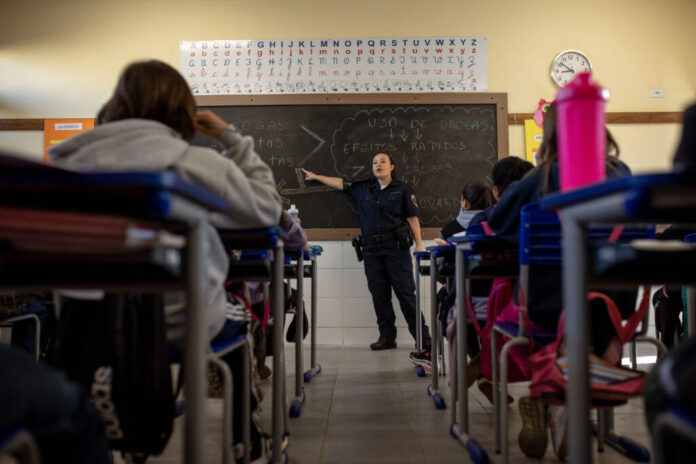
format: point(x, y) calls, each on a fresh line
point(389, 223)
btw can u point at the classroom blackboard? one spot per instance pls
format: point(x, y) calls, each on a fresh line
point(439, 143)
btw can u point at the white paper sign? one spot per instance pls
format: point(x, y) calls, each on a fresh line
point(238, 67)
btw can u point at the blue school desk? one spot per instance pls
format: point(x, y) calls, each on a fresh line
point(653, 199)
point(265, 239)
point(161, 197)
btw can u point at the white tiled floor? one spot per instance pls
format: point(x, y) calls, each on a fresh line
point(370, 407)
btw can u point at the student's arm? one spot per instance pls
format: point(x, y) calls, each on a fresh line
point(239, 176)
point(333, 182)
point(416, 230)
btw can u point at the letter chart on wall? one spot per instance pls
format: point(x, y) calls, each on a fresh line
point(297, 66)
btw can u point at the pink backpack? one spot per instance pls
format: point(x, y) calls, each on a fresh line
point(548, 382)
point(502, 308)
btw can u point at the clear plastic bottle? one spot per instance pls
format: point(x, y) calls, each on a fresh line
point(295, 213)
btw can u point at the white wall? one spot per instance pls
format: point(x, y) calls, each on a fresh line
point(344, 308)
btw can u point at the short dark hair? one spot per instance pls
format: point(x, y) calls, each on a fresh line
point(508, 170)
point(479, 194)
point(152, 90)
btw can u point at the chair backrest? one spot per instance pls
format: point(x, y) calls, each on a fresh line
point(541, 233)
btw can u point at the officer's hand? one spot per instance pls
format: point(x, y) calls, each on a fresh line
point(419, 247)
point(309, 175)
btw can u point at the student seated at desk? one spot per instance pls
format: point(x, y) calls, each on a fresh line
point(146, 126)
point(505, 171)
point(545, 299)
point(477, 195)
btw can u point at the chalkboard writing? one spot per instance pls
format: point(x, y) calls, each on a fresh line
point(437, 148)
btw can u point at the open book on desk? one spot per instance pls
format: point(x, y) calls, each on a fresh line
point(79, 232)
point(602, 372)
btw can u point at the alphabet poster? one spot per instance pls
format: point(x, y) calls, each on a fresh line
point(360, 65)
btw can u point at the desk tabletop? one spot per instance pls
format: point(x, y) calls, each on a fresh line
point(642, 195)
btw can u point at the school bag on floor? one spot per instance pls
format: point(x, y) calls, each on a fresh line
point(549, 383)
point(116, 349)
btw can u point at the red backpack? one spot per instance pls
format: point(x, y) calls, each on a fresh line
point(548, 381)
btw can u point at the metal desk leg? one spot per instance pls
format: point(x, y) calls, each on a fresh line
point(691, 310)
point(196, 347)
point(576, 335)
point(314, 367)
point(296, 406)
point(460, 428)
point(278, 424)
point(433, 389)
point(419, 321)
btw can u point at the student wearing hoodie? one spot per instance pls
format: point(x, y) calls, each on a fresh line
point(146, 126)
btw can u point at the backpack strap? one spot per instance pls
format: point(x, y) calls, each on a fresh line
point(625, 332)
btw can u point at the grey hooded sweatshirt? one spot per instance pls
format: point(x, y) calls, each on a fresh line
point(239, 176)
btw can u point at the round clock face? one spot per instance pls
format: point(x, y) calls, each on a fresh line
point(568, 63)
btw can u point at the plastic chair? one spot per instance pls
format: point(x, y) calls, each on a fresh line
point(9, 321)
point(215, 357)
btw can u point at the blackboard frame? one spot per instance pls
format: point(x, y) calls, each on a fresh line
point(499, 99)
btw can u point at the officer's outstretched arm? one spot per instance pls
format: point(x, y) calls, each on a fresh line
point(333, 182)
point(416, 230)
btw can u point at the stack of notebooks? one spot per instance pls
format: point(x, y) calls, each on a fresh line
point(79, 232)
point(602, 372)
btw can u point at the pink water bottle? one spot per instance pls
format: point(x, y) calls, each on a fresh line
point(582, 137)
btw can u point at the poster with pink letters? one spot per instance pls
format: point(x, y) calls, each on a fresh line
point(355, 65)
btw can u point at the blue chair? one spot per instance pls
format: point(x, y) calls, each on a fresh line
point(9, 322)
point(217, 351)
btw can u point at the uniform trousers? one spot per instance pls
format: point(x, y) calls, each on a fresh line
point(388, 267)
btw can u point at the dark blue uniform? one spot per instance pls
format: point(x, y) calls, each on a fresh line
point(387, 266)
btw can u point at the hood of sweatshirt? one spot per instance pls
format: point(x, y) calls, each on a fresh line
point(130, 144)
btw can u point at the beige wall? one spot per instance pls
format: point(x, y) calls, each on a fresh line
point(61, 58)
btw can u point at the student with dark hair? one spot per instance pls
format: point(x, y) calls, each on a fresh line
point(544, 301)
point(477, 195)
point(146, 126)
point(506, 171)
point(389, 223)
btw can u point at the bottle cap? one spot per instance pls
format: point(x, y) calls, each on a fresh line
point(582, 87)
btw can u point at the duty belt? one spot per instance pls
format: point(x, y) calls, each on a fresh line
point(380, 238)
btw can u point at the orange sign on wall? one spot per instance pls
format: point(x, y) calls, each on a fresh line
point(57, 130)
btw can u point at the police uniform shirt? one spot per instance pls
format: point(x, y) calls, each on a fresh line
point(382, 210)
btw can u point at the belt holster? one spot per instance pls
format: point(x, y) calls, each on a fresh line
point(357, 243)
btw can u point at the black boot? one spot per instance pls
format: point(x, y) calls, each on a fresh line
point(383, 343)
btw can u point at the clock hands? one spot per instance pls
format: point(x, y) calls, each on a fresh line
point(568, 68)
